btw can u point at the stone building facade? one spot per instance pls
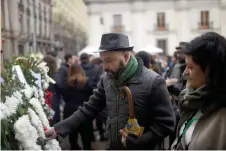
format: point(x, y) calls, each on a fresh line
point(161, 23)
point(26, 26)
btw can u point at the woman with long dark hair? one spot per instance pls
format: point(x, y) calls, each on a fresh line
point(203, 103)
point(78, 91)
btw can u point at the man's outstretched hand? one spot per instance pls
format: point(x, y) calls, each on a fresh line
point(51, 133)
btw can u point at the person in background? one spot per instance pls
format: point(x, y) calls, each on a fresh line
point(102, 117)
point(52, 53)
point(75, 59)
point(176, 82)
point(148, 61)
point(168, 73)
point(202, 125)
point(169, 61)
point(92, 72)
point(145, 58)
point(177, 72)
point(99, 64)
point(152, 106)
point(155, 66)
point(90, 69)
point(53, 88)
point(63, 71)
point(55, 55)
point(79, 89)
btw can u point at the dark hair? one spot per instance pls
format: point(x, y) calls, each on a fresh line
point(76, 74)
point(67, 57)
point(209, 51)
point(145, 57)
point(175, 54)
point(84, 58)
point(51, 63)
point(97, 61)
point(52, 53)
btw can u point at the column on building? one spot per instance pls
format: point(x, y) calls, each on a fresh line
point(5, 34)
point(47, 21)
point(42, 21)
point(138, 23)
point(24, 32)
point(37, 17)
point(95, 30)
point(14, 23)
point(223, 17)
point(183, 30)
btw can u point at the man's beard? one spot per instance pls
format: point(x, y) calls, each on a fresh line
point(114, 75)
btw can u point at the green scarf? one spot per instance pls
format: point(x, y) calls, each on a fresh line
point(128, 72)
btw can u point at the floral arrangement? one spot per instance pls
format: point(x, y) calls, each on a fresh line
point(24, 113)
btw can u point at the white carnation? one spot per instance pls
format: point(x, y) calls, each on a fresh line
point(35, 90)
point(45, 70)
point(39, 110)
point(23, 58)
point(45, 85)
point(41, 93)
point(52, 145)
point(42, 100)
point(26, 134)
point(39, 56)
point(13, 76)
point(32, 55)
point(4, 111)
point(28, 91)
point(51, 80)
point(18, 95)
point(35, 121)
point(12, 104)
point(42, 65)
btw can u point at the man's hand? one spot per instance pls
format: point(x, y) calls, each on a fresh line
point(51, 133)
point(171, 81)
point(124, 135)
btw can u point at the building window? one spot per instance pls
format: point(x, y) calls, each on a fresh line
point(101, 20)
point(20, 49)
point(204, 20)
point(117, 23)
point(162, 43)
point(161, 24)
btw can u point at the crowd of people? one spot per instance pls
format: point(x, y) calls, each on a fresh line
point(180, 96)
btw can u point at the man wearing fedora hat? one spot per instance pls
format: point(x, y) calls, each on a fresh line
point(152, 106)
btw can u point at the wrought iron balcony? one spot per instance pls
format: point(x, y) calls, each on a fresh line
point(163, 27)
point(206, 25)
point(118, 28)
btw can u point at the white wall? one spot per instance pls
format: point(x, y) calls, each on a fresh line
point(139, 20)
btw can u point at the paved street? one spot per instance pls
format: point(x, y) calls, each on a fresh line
point(65, 145)
point(96, 145)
